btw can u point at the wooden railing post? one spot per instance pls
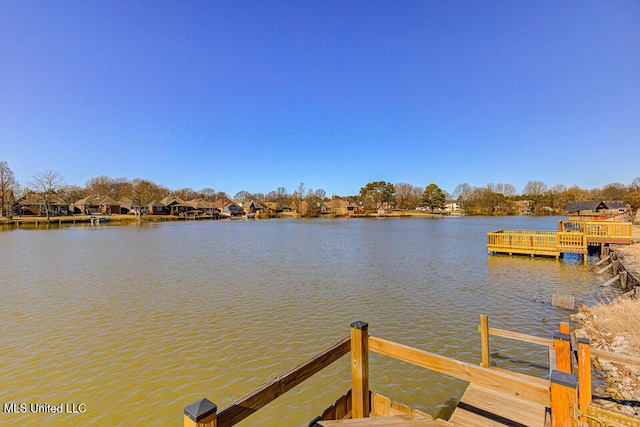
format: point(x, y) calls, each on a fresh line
point(584, 376)
point(564, 399)
point(562, 348)
point(202, 413)
point(484, 340)
point(360, 407)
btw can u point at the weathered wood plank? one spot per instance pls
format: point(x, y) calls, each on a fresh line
point(360, 370)
point(389, 421)
point(531, 339)
point(509, 384)
point(610, 281)
point(500, 405)
point(250, 403)
point(602, 270)
point(616, 358)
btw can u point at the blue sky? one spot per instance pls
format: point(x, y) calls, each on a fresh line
point(256, 95)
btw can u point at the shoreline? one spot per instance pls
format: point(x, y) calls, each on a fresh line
point(610, 326)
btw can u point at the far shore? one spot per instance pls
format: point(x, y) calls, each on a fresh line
point(124, 218)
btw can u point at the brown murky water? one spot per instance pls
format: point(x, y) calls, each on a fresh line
point(129, 324)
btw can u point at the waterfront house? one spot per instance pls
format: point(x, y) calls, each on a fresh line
point(175, 206)
point(250, 206)
point(341, 207)
point(523, 207)
point(96, 204)
point(595, 209)
point(156, 208)
point(33, 204)
point(202, 206)
point(228, 208)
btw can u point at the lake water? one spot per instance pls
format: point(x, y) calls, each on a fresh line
point(136, 322)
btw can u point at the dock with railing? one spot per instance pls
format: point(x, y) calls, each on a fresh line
point(575, 237)
point(494, 396)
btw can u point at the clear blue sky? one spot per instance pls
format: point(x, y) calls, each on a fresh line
point(256, 95)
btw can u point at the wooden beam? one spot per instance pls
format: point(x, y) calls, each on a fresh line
point(610, 281)
point(564, 399)
point(484, 341)
point(602, 270)
point(509, 384)
point(603, 260)
point(531, 339)
point(360, 406)
point(616, 358)
point(562, 347)
point(267, 393)
point(584, 377)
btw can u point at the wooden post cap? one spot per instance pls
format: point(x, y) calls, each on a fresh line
point(562, 337)
point(200, 410)
point(358, 324)
point(564, 379)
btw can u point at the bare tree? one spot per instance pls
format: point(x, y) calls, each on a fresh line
point(8, 188)
point(143, 193)
point(46, 185)
point(534, 189)
point(633, 195)
point(407, 195)
point(208, 194)
point(186, 193)
point(507, 190)
point(72, 193)
point(614, 191)
point(462, 194)
point(101, 185)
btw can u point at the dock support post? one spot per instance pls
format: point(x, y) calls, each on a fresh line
point(360, 406)
point(202, 413)
point(484, 340)
point(562, 348)
point(584, 376)
point(564, 399)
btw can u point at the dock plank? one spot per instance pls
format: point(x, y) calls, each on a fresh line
point(385, 421)
point(505, 409)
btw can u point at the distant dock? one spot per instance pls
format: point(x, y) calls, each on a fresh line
point(575, 237)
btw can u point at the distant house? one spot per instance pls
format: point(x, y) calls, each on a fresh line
point(342, 207)
point(202, 206)
point(596, 209)
point(250, 206)
point(523, 207)
point(35, 205)
point(228, 208)
point(156, 208)
point(96, 204)
point(451, 207)
point(277, 207)
point(176, 206)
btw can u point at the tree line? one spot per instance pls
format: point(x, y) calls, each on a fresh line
point(492, 199)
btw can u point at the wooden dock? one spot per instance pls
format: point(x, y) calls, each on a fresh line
point(571, 237)
point(494, 396)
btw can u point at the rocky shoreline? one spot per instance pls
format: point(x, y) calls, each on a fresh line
point(617, 387)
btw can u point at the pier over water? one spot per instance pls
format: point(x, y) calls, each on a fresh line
point(572, 236)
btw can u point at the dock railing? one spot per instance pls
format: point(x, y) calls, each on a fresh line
point(567, 392)
point(531, 242)
point(569, 374)
point(204, 413)
point(570, 237)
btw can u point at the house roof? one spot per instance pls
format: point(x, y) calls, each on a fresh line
point(593, 206)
